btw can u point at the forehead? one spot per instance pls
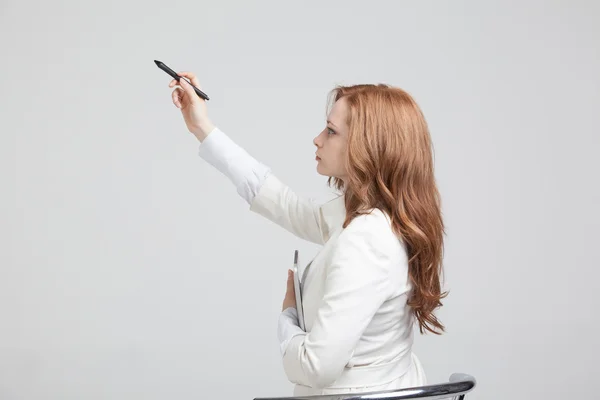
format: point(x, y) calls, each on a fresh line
point(339, 112)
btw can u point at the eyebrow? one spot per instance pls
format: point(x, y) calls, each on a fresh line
point(329, 122)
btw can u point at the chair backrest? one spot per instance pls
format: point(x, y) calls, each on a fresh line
point(457, 387)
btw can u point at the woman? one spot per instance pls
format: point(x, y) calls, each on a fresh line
point(380, 265)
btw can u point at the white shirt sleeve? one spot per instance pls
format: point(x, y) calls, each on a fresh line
point(288, 327)
point(246, 173)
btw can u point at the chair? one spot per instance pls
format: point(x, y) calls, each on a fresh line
point(456, 388)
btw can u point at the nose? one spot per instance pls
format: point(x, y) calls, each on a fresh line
point(318, 140)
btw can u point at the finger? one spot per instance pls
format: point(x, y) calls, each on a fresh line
point(189, 90)
point(177, 96)
point(174, 82)
point(191, 76)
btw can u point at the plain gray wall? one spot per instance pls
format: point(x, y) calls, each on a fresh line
point(130, 269)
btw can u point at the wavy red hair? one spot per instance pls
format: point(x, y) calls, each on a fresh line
point(389, 166)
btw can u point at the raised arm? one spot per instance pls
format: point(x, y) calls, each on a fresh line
point(254, 181)
point(264, 192)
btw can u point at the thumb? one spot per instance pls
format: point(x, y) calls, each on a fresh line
point(189, 90)
point(290, 280)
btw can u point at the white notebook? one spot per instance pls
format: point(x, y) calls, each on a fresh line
point(298, 292)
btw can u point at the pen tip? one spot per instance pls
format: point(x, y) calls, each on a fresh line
point(296, 257)
point(156, 62)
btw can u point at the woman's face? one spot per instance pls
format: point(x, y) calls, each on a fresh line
point(332, 142)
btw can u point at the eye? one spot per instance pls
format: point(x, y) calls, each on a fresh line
point(330, 131)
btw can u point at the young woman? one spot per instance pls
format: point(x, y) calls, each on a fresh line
point(379, 269)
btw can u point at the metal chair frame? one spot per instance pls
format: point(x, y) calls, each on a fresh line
point(457, 387)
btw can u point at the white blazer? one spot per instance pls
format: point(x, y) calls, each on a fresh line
point(359, 328)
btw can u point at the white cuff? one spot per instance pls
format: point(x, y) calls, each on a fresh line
point(287, 328)
point(246, 173)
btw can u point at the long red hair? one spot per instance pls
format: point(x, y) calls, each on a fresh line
point(389, 166)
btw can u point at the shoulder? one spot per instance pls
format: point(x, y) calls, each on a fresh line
point(375, 223)
point(372, 235)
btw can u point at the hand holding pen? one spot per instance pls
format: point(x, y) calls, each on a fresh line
point(177, 77)
point(189, 101)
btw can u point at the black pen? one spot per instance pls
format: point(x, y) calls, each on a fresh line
point(169, 71)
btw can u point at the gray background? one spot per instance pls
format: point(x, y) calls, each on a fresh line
point(130, 269)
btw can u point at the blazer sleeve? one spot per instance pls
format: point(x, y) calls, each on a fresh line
point(357, 283)
point(265, 194)
point(302, 217)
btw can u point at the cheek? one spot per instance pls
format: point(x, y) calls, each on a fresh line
point(339, 158)
point(340, 151)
